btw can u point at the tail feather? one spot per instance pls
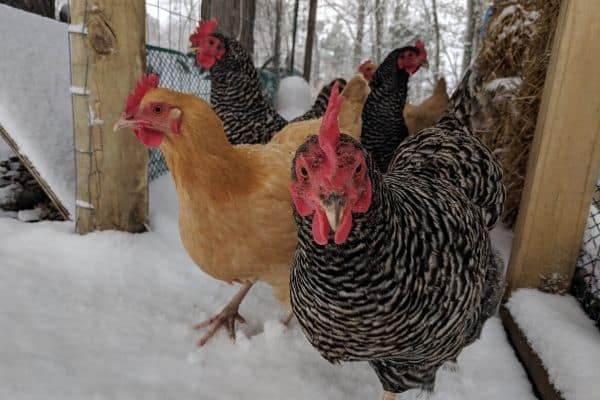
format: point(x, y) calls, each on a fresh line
point(320, 104)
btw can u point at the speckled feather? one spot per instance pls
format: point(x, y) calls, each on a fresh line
point(236, 96)
point(417, 277)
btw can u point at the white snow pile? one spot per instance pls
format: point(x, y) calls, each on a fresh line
point(293, 97)
point(521, 19)
point(505, 84)
point(564, 338)
point(108, 316)
point(35, 103)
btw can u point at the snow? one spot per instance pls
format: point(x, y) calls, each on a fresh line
point(508, 83)
point(5, 151)
point(564, 338)
point(29, 215)
point(108, 315)
point(293, 97)
point(35, 103)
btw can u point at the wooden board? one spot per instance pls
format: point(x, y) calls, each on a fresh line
point(565, 154)
point(34, 172)
point(107, 58)
point(532, 363)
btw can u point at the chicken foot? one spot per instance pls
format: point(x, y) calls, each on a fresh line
point(389, 396)
point(228, 316)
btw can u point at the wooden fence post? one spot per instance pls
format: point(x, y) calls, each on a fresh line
point(107, 40)
point(565, 155)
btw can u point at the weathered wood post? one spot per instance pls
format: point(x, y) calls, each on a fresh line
point(107, 57)
point(565, 154)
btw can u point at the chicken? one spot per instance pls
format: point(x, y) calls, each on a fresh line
point(423, 115)
point(429, 111)
point(236, 93)
point(383, 124)
point(395, 268)
point(367, 69)
point(235, 219)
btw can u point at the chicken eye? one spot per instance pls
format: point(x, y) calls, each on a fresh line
point(157, 109)
point(304, 172)
point(358, 169)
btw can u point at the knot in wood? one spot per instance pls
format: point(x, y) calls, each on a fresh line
point(101, 37)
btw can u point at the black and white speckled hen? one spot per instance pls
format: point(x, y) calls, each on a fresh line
point(236, 94)
point(384, 127)
point(395, 268)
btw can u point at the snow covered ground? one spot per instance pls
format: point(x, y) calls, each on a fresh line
point(564, 338)
point(109, 316)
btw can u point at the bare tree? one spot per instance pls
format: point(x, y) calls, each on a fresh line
point(469, 33)
point(360, 32)
point(379, 12)
point(277, 38)
point(236, 18)
point(310, 34)
point(436, 29)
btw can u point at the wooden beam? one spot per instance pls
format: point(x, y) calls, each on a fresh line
point(565, 155)
point(532, 363)
point(107, 57)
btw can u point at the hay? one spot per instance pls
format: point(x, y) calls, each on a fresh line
point(511, 67)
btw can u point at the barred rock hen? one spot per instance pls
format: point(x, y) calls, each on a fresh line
point(395, 268)
point(420, 116)
point(235, 219)
point(383, 124)
point(236, 93)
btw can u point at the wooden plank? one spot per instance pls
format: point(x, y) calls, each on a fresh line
point(565, 154)
point(107, 58)
point(36, 175)
point(532, 363)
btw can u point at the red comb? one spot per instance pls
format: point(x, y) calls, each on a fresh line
point(145, 83)
point(329, 134)
point(421, 47)
point(204, 29)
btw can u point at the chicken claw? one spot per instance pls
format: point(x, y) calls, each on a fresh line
point(226, 318)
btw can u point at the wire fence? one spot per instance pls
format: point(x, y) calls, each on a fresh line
point(586, 282)
point(177, 71)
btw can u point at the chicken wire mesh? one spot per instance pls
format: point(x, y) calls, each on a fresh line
point(586, 282)
point(177, 71)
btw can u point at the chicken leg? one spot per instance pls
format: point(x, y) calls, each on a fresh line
point(226, 317)
point(389, 396)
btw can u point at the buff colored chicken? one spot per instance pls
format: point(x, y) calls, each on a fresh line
point(235, 216)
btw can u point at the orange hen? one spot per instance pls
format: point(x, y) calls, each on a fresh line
point(235, 216)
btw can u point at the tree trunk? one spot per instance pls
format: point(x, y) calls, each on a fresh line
point(277, 41)
point(235, 18)
point(316, 63)
point(379, 11)
point(310, 35)
point(469, 35)
point(44, 8)
point(436, 28)
point(360, 33)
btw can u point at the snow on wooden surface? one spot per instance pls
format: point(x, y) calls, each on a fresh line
point(35, 103)
point(564, 338)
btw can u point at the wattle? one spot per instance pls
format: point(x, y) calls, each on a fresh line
point(149, 137)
